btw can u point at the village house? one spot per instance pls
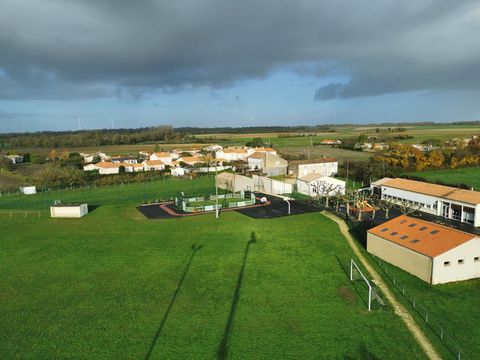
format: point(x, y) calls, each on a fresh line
point(165, 157)
point(324, 167)
point(150, 165)
point(445, 201)
point(89, 158)
point(330, 142)
point(234, 154)
point(124, 159)
point(270, 164)
point(15, 159)
point(315, 184)
point(434, 253)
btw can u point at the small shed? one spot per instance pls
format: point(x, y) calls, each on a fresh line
point(68, 210)
point(28, 190)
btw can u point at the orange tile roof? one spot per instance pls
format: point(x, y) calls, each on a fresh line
point(419, 187)
point(162, 154)
point(257, 155)
point(264, 149)
point(448, 192)
point(190, 159)
point(154, 162)
point(404, 229)
point(107, 165)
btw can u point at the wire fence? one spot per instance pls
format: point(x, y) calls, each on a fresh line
point(24, 214)
point(120, 183)
point(436, 326)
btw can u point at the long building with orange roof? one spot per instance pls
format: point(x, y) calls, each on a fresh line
point(440, 200)
point(434, 253)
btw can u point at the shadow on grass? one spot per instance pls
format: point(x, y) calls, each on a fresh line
point(222, 352)
point(355, 284)
point(92, 208)
point(195, 248)
point(363, 354)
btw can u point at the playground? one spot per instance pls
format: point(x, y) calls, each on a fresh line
point(262, 206)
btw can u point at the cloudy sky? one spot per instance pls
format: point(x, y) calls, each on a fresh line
point(66, 64)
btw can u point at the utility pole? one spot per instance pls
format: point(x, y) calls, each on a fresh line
point(216, 192)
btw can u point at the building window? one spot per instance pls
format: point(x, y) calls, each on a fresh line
point(476, 258)
point(433, 232)
point(403, 237)
point(393, 233)
point(412, 225)
point(423, 228)
point(460, 261)
point(414, 241)
point(446, 263)
point(384, 229)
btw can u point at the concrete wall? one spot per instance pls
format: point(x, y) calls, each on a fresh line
point(412, 262)
point(271, 186)
point(74, 211)
point(455, 271)
point(234, 182)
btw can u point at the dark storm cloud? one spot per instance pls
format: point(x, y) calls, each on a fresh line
point(66, 49)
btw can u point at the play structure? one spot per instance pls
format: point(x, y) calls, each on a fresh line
point(363, 206)
point(209, 203)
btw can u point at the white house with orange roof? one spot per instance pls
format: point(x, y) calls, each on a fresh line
point(233, 154)
point(434, 253)
point(165, 157)
point(150, 165)
point(445, 201)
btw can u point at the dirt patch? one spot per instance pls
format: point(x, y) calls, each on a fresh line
point(347, 294)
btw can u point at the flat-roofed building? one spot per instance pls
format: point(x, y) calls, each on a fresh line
point(434, 253)
point(324, 166)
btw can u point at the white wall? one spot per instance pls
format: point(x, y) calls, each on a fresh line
point(324, 169)
point(307, 188)
point(271, 186)
point(74, 211)
point(469, 269)
point(412, 196)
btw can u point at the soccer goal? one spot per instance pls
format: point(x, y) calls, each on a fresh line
point(356, 273)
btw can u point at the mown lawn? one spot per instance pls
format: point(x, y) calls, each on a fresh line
point(115, 285)
point(467, 176)
point(452, 307)
point(131, 194)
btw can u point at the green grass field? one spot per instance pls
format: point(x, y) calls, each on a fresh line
point(468, 176)
point(116, 285)
point(452, 307)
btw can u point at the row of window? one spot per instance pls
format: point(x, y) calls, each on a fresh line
point(461, 261)
point(414, 203)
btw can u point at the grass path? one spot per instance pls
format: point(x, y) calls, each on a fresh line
point(400, 310)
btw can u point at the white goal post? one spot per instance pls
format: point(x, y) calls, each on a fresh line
point(352, 265)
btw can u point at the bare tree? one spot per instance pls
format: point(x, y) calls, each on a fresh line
point(407, 207)
point(386, 205)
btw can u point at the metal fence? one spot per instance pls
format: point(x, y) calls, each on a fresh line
point(447, 338)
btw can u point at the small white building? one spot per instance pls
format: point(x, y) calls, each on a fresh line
point(165, 157)
point(150, 165)
point(324, 167)
point(233, 154)
point(68, 210)
point(15, 159)
point(317, 185)
point(124, 159)
point(107, 168)
point(178, 171)
point(28, 190)
point(434, 253)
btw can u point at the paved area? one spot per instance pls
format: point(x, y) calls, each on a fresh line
point(274, 208)
point(277, 208)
